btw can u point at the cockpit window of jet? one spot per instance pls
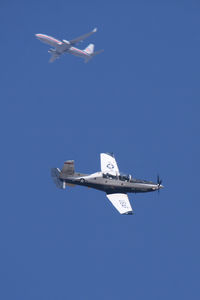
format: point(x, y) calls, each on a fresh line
point(65, 46)
point(109, 180)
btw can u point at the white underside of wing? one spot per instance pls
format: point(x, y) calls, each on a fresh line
point(121, 203)
point(108, 164)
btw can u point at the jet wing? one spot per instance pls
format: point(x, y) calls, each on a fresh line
point(108, 164)
point(82, 37)
point(121, 203)
point(54, 56)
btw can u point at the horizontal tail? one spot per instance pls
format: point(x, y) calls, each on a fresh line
point(55, 174)
point(59, 176)
point(93, 54)
point(97, 52)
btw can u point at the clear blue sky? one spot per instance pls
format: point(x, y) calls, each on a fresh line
point(140, 100)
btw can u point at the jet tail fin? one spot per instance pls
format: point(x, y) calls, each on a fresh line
point(89, 49)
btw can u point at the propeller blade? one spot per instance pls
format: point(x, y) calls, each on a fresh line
point(159, 181)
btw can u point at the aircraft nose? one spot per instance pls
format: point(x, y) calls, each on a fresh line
point(37, 35)
point(161, 186)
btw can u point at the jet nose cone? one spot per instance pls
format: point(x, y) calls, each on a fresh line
point(37, 35)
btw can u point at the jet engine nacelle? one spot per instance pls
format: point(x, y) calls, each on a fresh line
point(66, 42)
point(51, 50)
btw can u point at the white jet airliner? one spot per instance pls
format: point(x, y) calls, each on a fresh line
point(65, 46)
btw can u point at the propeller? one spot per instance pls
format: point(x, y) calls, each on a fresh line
point(159, 181)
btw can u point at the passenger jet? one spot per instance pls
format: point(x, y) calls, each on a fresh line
point(65, 46)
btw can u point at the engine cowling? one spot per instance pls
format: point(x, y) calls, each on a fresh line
point(66, 42)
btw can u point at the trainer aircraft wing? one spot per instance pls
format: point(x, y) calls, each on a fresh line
point(82, 37)
point(121, 203)
point(108, 164)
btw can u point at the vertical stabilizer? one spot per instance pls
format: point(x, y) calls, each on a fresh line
point(68, 168)
point(89, 49)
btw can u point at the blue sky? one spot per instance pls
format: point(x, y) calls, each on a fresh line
point(138, 99)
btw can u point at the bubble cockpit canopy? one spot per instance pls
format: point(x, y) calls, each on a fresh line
point(125, 177)
point(122, 177)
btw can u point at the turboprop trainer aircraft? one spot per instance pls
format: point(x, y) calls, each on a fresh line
point(109, 180)
point(65, 46)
